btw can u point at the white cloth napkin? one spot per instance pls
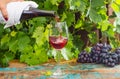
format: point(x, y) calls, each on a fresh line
point(15, 10)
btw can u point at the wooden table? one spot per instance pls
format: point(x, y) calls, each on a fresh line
point(73, 71)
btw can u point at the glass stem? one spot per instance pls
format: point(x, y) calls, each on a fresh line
point(58, 57)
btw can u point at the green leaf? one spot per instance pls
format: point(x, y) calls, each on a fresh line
point(118, 29)
point(9, 55)
point(79, 24)
point(38, 35)
point(23, 40)
point(93, 37)
point(13, 45)
point(4, 61)
point(114, 43)
point(115, 7)
point(32, 59)
point(23, 57)
point(55, 2)
point(13, 33)
point(5, 57)
point(79, 5)
point(117, 1)
point(51, 5)
point(47, 4)
point(64, 16)
point(104, 25)
point(42, 55)
point(78, 43)
point(94, 16)
point(27, 49)
point(97, 3)
point(83, 6)
point(19, 26)
point(70, 18)
point(26, 53)
point(5, 39)
point(38, 57)
point(110, 32)
point(38, 21)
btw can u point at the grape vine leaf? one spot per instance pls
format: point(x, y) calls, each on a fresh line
point(5, 39)
point(64, 16)
point(97, 3)
point(25, 53)
point(115, 7)
point(27, 49)
point(55, 2)
point(23, 40)
point(78, 43)
point(70, 18)
point(13, 45)
point(111, 32)
point(32, 59)
point(38, 35)
point(117, 1)
point(79, 24)
point(9, 55)
point(79, 5)
point(42, 55)
point(92, 36)
point(104, 25)
point(13, 33)
point(48, 5)
point(94, 16)
point(23, 57)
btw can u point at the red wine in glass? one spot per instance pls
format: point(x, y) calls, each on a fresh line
point(58, 42)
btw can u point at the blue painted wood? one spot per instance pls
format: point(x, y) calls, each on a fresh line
point(65, 66)
point(78, 71)
point(69, 76)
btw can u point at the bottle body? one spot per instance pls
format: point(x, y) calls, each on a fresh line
point(32, 13)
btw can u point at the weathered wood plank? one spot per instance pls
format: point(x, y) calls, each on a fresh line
point(72, 69)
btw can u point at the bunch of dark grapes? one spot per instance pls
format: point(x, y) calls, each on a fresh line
point(100, 53)
point(117, 51)
point(84, 57)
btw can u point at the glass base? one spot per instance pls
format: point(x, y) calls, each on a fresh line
point(58, 74)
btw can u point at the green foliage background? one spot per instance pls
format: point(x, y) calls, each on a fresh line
point(28, 41)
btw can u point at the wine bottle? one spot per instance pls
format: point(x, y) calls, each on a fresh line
point(34, 12)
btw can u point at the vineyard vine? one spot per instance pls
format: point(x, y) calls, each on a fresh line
point(28, 41)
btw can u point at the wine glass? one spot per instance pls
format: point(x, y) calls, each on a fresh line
point(58, 38)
